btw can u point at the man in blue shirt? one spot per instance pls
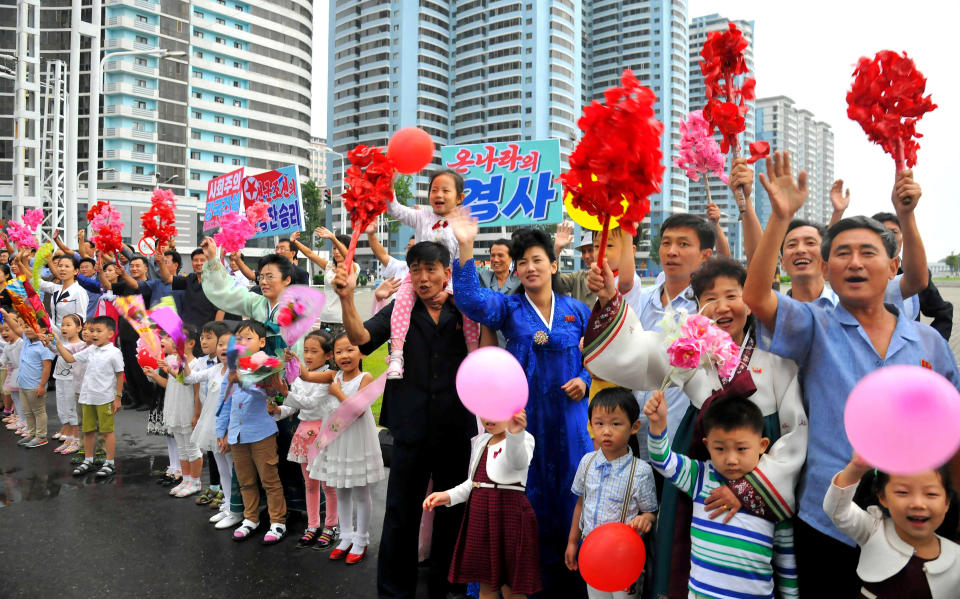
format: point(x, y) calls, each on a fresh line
point(836, 347)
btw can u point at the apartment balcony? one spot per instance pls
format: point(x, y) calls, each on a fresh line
point(121, 177)
point(124, 133)
point(130, 156)
point(131, 111)
point(125, 44)
point(130, 23)
point(148, 5)
point(129, 90)
point(123, 66)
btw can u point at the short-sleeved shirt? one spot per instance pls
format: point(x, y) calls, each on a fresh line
point(197, 309)
point(424, 405)
point(488, 279)
point(603, 485)
point(833, 353)
point(395, 269)
point(99, 385)
point(32, 356)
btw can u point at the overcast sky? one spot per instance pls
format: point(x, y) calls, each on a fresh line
point(807, 51)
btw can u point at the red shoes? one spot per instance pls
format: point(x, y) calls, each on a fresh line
point(356, 558)
point(339, 553)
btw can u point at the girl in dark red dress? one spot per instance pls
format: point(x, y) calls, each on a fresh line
point(498, 545)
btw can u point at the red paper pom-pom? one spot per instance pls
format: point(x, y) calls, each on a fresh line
point(723, 61)
point(159, 221)
point(758, 150)
point(887, 100)
point(370, 185)
point(619, 156)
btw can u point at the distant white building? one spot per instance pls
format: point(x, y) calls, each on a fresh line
point(318, 164)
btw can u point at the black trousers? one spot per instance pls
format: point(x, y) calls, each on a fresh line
point(141, 390)
point(825, 566)
point(411, 468)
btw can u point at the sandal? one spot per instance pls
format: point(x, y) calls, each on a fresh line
point(244, 530)
point(277, 531)
point(327, 537)
point(105, 471)
point(309, 538)
point(83, 468)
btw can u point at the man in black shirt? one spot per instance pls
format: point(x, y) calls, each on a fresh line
point(430, 427)
point(197, 309)
point(289, 251)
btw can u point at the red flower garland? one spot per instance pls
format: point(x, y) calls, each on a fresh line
point(370, 181)
point(723, 60)
point(619, 156)
point(887, 100)
point(158, 222)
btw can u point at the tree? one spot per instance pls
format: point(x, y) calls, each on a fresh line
point(313, 208)
point(403, 193)
point(655, 248)
point(953, 262)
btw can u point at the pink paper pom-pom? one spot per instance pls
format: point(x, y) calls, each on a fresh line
point(33, 218)
point(234, 233)
point(21, 235)
point(699, 152)
point(257, 213)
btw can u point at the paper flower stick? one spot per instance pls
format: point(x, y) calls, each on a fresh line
point(107, 224)
point(887, 100)
point(617, 165)
point(369, 183)
point(159, 221)
point(724, 61)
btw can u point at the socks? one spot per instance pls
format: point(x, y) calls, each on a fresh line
point(215, 488)
point(344, 543)
point(108, 462)
point(88, 460)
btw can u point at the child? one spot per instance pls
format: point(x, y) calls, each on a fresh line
point(207, 378)
point(104, 374)
point(36, 362)
point(738, 555)
point(70, 328)
point(181, 409)
point(612, 484)
point(446, 196)
point(245, 427)
point(497, 544)
point(11, 363)
point(310, 395)
point(900, 553)
point(352, 461)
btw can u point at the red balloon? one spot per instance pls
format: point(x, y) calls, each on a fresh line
point(410, 149)
point(611, 557)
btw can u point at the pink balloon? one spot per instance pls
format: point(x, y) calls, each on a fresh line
point(491, 384)
point(904, 419)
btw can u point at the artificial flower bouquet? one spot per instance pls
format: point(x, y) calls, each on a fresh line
point(692, 341)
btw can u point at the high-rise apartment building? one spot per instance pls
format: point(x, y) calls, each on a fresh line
point(810, 143)
point(318, 161)
point(700, 28)
point(469, 71)
point(238, 97)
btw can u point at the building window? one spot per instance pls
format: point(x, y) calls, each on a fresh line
point(239, 27)
point(234, 142)
point(195, 196)
point(236, 122)
point(197, 54)
point(198, 95)
point(194, 134)
point(235, 162)
point(141, 104)
point(142, 19)
point(218, 159)
point(218, 79)
point(238, 7)
point(238, 45)
point(236, 65)
point(221, 21)
point(218, 139)
point(198, 14)
point(138, 126)
point(217, 60)
point(138, 170)
point(141, 61)
point(139, 148)
point(194, 176)
point(236, 84)
point(141, 83)
point(218, 119)
point(197, 75)
point(194, 155)
point(220, 40)
point(218, 99)
point(237, 103)
point(142, 40)
point(197, 114)
point(197, 33)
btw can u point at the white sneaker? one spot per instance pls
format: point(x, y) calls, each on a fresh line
point(395, 365)
point(220, 515)
point(230, 521)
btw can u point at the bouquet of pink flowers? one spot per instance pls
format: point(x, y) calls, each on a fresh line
point(257, 367)
point(693, 340)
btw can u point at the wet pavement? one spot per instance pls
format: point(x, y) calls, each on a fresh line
point(64, 537)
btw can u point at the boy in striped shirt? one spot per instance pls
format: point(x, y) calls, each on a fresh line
point(735, 558)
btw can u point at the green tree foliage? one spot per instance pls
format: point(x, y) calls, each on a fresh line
point(314, 210)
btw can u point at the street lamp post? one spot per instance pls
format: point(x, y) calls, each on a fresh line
point(343, 208)
point(95, 108)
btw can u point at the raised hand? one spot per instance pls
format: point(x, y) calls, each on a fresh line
point(713, 213)
point(787, 195)
point(295, 237)
point(602, 282)
point(656, 412)
point(387, 288)
point(837, 198)
point(464, 225)
point(324, 233)
point(344, 283)
point(371, 228)
point(209, 248)
point(741, 175)
point(564, 236)
point(906, 193)
point(518, 423)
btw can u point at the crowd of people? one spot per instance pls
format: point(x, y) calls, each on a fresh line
point(742, 485)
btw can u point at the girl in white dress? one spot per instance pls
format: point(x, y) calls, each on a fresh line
point(352, 461)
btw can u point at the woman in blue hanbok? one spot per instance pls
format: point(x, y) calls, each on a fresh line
point(543, 331)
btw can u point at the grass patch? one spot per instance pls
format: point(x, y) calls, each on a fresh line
point(376, 364)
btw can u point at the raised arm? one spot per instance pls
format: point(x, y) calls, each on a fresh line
point(713, 215)
point(165, 275)
point(786, 197)
point(326, 233)
point(563, 237)
point(344, 285)
point(906, 194)
point(60, 244)
point(220, 289)
point(310, 254)
point(839, 200)
point(237, 263)
point(375, 246)
point(741, 175)
point(628, 263)
point(61, 349)
point(483, 305)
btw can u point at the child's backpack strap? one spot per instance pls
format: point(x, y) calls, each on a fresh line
point(626, 497)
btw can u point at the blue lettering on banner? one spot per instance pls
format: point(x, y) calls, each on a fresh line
point(484, 197)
